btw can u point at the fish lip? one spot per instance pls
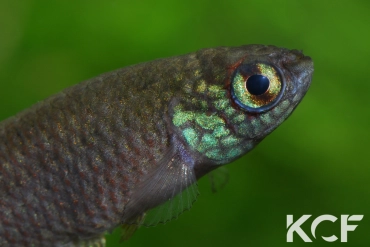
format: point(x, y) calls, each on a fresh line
point(301, 68)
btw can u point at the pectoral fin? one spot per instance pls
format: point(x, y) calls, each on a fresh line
point(218, 178)
point(165, 192)
point(94, 242)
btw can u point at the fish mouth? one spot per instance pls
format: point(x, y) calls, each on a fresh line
point(301, 67)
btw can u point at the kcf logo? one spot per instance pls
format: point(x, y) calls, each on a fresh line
point(344, 226)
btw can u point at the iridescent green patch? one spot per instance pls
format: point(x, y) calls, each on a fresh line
point(208, 141)
point(234, 153)
point(208, 122)
point(230, 111)
point(238, 119)
point(201, 87)
point(245, 129)
point(266, 118)
point(181, 117)
point(216, 92)
point(230, 141)
point(191, 136)
point(214, 154)
point(221, 104)
point(208, 134)
point(220, 131)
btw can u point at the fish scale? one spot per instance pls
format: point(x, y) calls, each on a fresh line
point(77, 143)
point(105, 151)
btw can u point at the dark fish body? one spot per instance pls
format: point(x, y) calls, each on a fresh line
point(103, 152)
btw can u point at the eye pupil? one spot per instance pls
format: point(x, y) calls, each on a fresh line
point(257, 84)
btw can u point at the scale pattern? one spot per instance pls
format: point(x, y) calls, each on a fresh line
point(68, 164)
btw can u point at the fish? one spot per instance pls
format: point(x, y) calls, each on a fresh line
point(127, 147)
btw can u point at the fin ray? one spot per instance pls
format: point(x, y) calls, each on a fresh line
point(165, 192)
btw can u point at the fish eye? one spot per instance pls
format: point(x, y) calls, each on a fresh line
point(256, 87)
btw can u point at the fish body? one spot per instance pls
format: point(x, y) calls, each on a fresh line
point(103, 152)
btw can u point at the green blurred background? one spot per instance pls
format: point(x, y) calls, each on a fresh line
point(316, 163)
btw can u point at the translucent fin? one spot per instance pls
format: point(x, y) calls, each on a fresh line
point(129, 229)
point(172, 208)
point(95, 242)
point(218, 178)
point(168, 190)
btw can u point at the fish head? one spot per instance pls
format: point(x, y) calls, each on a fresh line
point(240, 95)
